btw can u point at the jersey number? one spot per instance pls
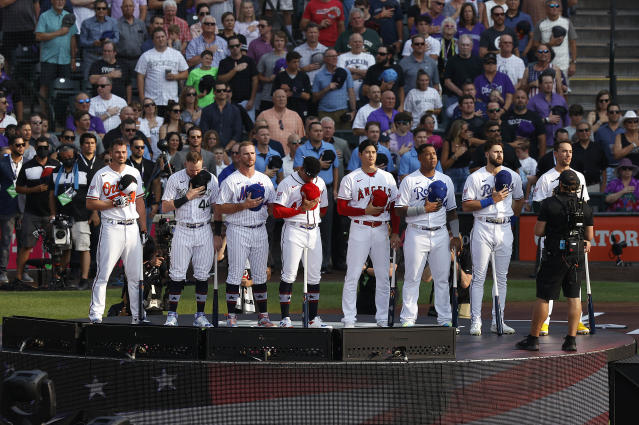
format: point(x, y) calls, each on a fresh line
point(204, 204)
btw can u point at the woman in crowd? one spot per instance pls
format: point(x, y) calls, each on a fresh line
point(153, 123)
point(544, 56)
point(422, 99)
point(627, 145)
point(429, 123)
point(172, 121)
point(470, 25)
point(201, 11)
point(175, 144)
point(191, 112)
point(448, 43)
point(210, 140)
point(600, 114)
point(456, 155)
point(246, 23)
point(228, 28)
point(622, 193)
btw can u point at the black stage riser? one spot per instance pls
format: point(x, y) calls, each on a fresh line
point(42, 335)
point(624, 391)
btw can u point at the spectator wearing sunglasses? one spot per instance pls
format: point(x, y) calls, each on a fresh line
point(201, 11)
point(82, 103)
point(622, 193)
point(558, 32)
point(222, 116)
point(94, 33)
point(106, 105)
point(209, 40)
point(607, 133)
point(239, 71)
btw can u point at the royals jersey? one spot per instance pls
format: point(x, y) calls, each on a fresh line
point(197, 210)
point(480, 185)
point(550, 180)
point(289, 195)
point(413, 192)
point(104, 186)
point(233, 191)
point(356, 188)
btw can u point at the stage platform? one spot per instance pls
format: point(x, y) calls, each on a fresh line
point(488, 382)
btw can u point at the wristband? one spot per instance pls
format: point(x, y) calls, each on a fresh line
point(180, 201)
point(413, 211)
point(217, 228)
point(486, 202)
point(454, 227)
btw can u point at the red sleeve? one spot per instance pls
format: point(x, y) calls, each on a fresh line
point(344, 209)
point(395, 219)
point(323, 211)
point(280, 211)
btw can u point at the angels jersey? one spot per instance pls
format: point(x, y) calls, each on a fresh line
point(289, 195)
point(413, 192)
point(233, 191)
point(197, 210)
point(104, 186)
point(357, 187)
point(480, 185)
point(550, 180)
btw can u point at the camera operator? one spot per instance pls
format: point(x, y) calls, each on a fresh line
point(150, 178)
point(67, 192)
point(566, 222)
point(33, 181)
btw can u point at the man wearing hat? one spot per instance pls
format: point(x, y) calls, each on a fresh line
point(301, 201)
point(622, 193)
point(566, 241)
point(333, 91)
point(558, 32)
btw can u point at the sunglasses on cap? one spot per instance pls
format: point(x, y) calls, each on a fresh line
point(83, 100)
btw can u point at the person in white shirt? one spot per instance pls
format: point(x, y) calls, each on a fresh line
point(508, 63)
point(374, 102)
point(433, 45)
point(159, 70)
point(106, 105)
point(287, 162)
point(422, 99)
point(357, 61)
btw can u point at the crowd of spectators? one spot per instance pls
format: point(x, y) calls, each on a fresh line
point(451, 73)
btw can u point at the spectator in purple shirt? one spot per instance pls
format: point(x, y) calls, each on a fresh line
point(263, 44)
point(551, 107)
point(386, 114)
point(81, 104)
point(494, 85)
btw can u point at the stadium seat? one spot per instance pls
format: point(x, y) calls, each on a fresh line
point(61, 90)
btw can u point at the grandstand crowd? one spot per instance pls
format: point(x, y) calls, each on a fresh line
point(160, 74)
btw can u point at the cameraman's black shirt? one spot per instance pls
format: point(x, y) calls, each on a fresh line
point(555, 215)
point(77, 207)
point(33, 174)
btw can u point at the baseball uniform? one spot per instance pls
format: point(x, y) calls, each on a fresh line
point(119, 238)
point(491, 233)
point(300, 231)
point(427, 241)
point(368, 236)
point(192, 239)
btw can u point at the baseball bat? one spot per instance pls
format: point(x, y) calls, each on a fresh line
point(391, 299)
point(591, 309)
point(216, 309)
point(498, 320)
point(455, 304)
point(141, 301)
point(305, 290)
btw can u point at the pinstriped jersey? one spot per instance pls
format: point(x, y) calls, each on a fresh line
point(197, 210)
point(480, 185)
point(289, 195)
point(233, 191)
point(413, 192)
point(357, 187)
point(104, 186)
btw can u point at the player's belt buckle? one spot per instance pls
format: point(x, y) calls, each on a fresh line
point(122, 222)
point(192, 225)
point(308, 226)
point(370, 223)
point(501, 220)
point(430, 229)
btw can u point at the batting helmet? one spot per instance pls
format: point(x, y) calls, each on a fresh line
point(201, 179)
point(503, 179)
point(127, 184)
point(256, 191)
point(379, 197)
point(437, 191)
point(310, 191)
point(275, 162)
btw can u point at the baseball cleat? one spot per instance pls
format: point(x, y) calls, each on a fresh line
point(570, 343)
point(544, 330)
point(382, 324)
point(475, 328)
point(264, 322)
point(231, 321)
point(582, 329)
point(26, 278)
point(507, 329)
point(4, 278)
point(408, 324)
point(349, 325)
point(530, 343)
point(202, 322)
point(171, 320)
point(136, 321)
point(286, 323)
point(318, 324)
point(96, 321)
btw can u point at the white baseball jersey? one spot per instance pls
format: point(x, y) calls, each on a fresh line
point(550, 180)
point(233, 190)
point(290, 196)
point(413, 192)
point(197, 210)
point(357, 186)
point(480, 185)
point(104, 186)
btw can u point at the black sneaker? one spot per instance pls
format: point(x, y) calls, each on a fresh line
point(530, 343)
point(570, 343)
point(83, 284)
point(432, 312)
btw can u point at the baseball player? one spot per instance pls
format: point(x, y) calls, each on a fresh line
point(427, 200)
point(190, 192)
point(244, 198)
point(493, 193)
point(297, 199)
point(116, 191)
point(562, 151)
point(367, 195)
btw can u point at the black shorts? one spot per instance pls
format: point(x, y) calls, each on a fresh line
point(30, 224)
point(555, 275)
point(51, 71)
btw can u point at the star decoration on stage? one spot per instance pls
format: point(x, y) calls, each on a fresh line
point(96, 388)
point(165, 381)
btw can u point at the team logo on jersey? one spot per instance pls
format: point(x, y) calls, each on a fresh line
point(111, 191)
point(366, 192)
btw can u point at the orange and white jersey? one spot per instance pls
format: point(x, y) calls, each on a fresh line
point(104, 186)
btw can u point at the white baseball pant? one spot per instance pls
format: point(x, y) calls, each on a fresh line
point(191, 245)
point(245, 243)
point(294, 240)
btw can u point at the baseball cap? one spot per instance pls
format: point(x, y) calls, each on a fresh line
point(311, 166)
point(569, 178)
point(490, 58)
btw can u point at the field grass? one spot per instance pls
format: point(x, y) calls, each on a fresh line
point(75, 304)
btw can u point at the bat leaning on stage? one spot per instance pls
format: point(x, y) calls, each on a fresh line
point(216, 308)
point(454, 303)
point(498, 319)
point(591, 309)
point(305, 290)
point(393, 289)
